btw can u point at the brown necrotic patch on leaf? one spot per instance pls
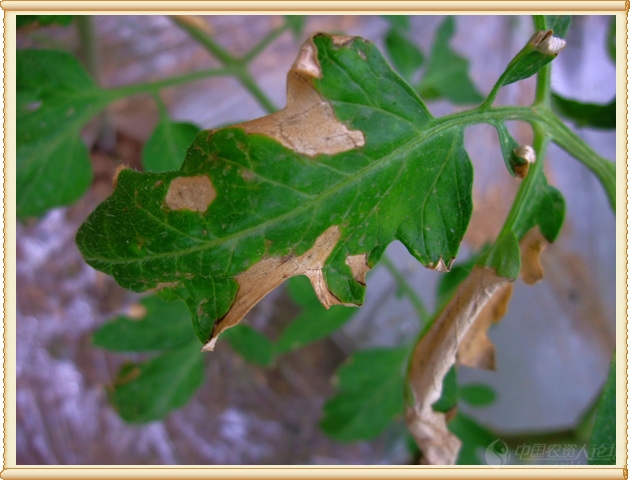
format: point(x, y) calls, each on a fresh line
point(307, 124)
point(358, 265)
point(247, 175)
point(119, 169)
point(266, 275)
point(190, 193)
point(163, 285)
point(341, 40)
point(434, 355)
point(441, 266)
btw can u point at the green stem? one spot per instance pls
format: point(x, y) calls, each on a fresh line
point(543, 117)
point(90, 52)
point(404, 285)
point(260, 46)
point(543, 86)
point(204, 39)
point(161, 106)
point(487, 103)
point(543, 79)
point(153, 87)
point(540, 22)
point(89, 46)
point(237, 66)
point(604, 169)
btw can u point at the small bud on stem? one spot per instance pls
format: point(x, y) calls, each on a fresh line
point(546, 43)
point(522, 156)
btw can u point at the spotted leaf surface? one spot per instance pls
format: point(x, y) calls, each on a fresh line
point(320, 188)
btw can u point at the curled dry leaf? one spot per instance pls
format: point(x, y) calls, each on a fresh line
point(434, 355)
point(476, 350)
point(532, 244)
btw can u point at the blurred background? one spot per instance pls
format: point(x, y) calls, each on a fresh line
point(553, 346)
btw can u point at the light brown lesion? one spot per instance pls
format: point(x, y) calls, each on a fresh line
point(266, 275)
point(359, 266)
point(190, 193)
point(307, 124)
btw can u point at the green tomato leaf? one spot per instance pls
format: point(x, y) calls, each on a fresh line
point(541, 49)
point(314, 322)
point(253, 346)
point(370, 394)
point(56, 97)
point(57, 174)
point(551, 212)
point(604, 436)
point(559, 24)
point(448, 283)
point(398, 22)
point(477, 394)
point(546, 207)
point(166, 148)
point(405, 55)
point(586, 114)
point(448, 399)
point(312, 325)
point(148, 391)
point(164, 326)
point(311, 190)
point(504, 256)
point(446, 74)
point(475, 440)
point(301, 292)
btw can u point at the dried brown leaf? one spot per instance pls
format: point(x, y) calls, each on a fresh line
point(476, 350)
point(532, 244)
point(434, 355)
